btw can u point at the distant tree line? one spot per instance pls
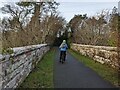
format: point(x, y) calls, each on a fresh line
point(34, 23)
point(30, 23)
point(101, 29)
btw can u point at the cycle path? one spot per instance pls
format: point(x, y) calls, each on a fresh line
point(74, 74)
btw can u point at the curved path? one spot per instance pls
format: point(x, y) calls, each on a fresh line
point(74, 74)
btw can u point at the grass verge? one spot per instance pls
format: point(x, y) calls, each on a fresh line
point(104, 71)
point(42, 75)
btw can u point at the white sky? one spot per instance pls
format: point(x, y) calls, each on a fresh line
point(68, 8)
point(87, 0)
point(67, 0)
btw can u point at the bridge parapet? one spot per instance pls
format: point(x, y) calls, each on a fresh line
point(103, 54)
point(14, 68)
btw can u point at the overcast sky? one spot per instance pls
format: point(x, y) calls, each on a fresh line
point(68, 8)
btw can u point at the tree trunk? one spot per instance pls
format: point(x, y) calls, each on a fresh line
point(118, 48)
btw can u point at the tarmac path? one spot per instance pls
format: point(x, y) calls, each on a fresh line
point(74, 74)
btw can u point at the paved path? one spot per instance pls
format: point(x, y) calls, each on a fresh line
point(74, 74)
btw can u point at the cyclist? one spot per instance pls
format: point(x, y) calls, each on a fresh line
point(63, 48)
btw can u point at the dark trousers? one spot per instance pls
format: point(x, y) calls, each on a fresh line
point(62, 53)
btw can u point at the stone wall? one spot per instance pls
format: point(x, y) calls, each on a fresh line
point(102, 54)
point(14, 68)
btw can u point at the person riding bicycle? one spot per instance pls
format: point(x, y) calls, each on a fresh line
point(63, 48)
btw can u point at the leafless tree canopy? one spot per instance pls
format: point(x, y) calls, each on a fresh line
point(30, 23)
point(34, 23)
point(101, 29)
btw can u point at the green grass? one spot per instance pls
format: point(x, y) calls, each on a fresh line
point(104, 71)
point(42, 75)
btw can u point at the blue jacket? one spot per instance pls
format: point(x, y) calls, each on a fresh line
point(64, 48)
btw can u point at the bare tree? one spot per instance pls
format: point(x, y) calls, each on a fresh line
point(94, 30)
point(31, 23)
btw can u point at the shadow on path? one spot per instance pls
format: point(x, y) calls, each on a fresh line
point(74, 74)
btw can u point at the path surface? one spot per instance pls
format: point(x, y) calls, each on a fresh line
point(74, 74)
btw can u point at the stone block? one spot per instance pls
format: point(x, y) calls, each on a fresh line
point(102, 54)
point(16, 68)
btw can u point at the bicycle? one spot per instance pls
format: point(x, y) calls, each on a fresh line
point(62, 57)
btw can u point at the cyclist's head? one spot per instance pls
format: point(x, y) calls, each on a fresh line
point(64, 41)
